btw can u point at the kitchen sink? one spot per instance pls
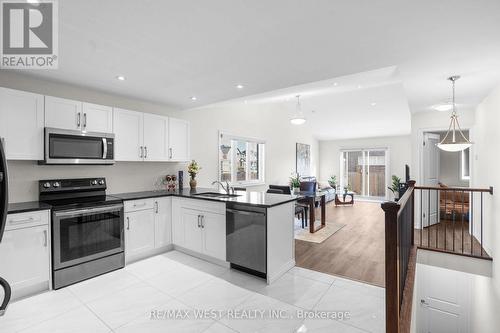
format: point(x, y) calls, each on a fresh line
point(216, 195)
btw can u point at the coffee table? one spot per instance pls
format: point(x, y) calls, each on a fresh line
point(343, 202)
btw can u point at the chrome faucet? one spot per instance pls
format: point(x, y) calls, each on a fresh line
point(226, 188)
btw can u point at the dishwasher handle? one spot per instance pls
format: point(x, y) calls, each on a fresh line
point(244, 212)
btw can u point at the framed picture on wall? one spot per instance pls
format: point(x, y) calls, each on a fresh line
point(303, 159)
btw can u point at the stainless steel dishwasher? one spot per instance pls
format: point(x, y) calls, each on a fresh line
point(246, 238)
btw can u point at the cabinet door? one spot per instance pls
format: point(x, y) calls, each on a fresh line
point(163, 222)
point(214, 235)
point(178, 138)
point(155, 137)
point(21, 124)
point(97, 118)
point(63, 113)
point(139, 233)
point(25, 259)
point(192, 231)
point(128, 129)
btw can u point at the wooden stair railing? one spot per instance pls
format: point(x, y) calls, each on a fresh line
point(399, 261)
point(401, 241)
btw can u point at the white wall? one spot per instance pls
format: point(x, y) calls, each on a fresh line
point(485, 173)
point(429, 122)
point(399, 154)
point(270, 122)
point(133, 176)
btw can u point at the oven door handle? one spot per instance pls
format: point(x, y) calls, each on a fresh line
point(104, 148)
point(73, 213)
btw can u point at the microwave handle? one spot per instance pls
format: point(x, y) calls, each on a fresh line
point(104, 148)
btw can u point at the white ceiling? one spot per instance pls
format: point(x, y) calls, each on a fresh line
point(172, 50)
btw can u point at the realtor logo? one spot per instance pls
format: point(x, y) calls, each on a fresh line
point(28, 34)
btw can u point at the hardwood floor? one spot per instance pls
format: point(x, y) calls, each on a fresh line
point(458, 238)
point(356, 251)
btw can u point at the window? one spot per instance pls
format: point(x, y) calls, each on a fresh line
point(464, 164)
point(241, 160)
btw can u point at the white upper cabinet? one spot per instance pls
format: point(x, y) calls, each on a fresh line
point(148, 137)
point(77, 115)
point(21, 124)
point(63, 113)
point(155, 137)
point(128, 129)
point(97, 118)
point(178, 138)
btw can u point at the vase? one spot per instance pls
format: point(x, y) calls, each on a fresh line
point(296, 190)
point(192, 183)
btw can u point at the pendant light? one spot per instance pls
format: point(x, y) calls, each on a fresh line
point(298, 118)
point(454, 140)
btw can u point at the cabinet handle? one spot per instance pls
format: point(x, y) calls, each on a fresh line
point(171, 153)
point(128, 223)
point(202, 222)
point(21, 221)
point(140, 205)
point(45, 238)
point(78, 119)
point(199, 223)
point(145, 152)
point(85, 120)
point(142, 152)
point(156, 207)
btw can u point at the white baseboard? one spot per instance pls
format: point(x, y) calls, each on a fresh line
point(202, 256)
point(148, 254)
point(282, 270)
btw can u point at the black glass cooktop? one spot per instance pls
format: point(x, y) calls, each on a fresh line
point(82, 202)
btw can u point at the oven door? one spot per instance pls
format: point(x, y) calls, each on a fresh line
point(75, 147)
point(83, 235)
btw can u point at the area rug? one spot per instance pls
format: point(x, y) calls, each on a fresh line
point(319, 236)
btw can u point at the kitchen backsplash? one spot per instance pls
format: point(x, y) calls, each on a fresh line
point(121, 177)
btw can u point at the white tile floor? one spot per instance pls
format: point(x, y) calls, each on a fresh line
point(175, 283)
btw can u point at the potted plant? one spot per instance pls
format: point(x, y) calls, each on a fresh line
point(295, 182)
point(333, 181)
point(193, 169)
point(394, 188)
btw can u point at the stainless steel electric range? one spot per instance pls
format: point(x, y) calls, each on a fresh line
point(87, 229)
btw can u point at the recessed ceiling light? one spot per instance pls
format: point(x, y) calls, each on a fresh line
point(240, 86)
point(33, 2)
point(193, 98)
point(245, 101)
point(121, 78)
point(360, 86)
point(443, 107)
point(373, 104)
point(335, 84)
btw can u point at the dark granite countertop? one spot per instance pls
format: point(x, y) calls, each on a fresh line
point(30, 206)
point(259, 199)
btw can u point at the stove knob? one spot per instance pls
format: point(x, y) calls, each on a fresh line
point(46, 185)
point(101, 182)
point(94, 182)
point(56, 184)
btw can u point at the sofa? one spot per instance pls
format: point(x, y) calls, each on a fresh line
point(321, 186)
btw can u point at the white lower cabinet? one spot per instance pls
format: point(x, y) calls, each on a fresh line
point(163, 222)
point(25, 253)
point(214, 240)
point(148, 227)
point(200, 226)
point(139, 234)
point(191, 228)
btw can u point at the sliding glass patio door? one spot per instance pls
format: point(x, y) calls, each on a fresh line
point(364, 172)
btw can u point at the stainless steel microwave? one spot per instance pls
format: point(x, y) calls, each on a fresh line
point(77, 147)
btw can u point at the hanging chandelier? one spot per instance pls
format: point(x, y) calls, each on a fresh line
point(298, 118)
point(454, 140)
